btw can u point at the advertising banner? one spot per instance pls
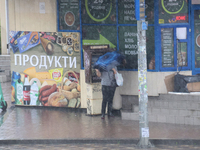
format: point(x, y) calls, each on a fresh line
point(173, 11)
point(68, 13)
point(45, 68)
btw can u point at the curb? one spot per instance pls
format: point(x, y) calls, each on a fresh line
point(103, 141)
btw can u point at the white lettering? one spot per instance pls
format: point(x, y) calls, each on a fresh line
point(57, 63)
point(45, 64)
point(36, 60)
point(129, 6)
point(50, 60)
point(127, 18)
point(130, 34)
point(129, 40)
point(99, 7)
point(131, 46)
point(129, 0)
point(20, 59)
point(129, 12)
point(22, 40)
point(72, 62)
point(65, 61)
point(42, 61)
point(25, 59)
point(131, 52)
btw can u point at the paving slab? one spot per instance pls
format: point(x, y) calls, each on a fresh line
point(47, 123)
point(42, 123)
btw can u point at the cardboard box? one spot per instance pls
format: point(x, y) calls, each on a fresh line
point(193, 87)
point(169, 82)
point(94, 91)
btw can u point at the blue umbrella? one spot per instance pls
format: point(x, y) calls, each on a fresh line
point(108, 61)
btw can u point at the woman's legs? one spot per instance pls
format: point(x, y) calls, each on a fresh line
point(104, 102)
point(110, 100)
point(108, 94)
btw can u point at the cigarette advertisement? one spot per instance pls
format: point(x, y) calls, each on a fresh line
point(45, 68)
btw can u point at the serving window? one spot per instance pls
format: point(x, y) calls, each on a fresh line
point(174, 48)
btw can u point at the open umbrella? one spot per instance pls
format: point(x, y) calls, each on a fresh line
point(108, 61)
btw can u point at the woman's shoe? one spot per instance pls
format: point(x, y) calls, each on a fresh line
point(110, 115)
point(102, 116)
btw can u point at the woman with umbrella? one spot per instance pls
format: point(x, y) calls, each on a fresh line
point(106, 69)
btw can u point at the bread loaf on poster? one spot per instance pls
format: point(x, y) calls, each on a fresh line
point(57, 99)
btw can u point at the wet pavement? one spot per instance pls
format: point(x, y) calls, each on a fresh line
point(63, 128)
point(49, 123)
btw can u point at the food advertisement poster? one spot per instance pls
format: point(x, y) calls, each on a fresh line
point(45, 68)
point(69, 15)
point(197, 37)
point(98, 11)
point(173, 11)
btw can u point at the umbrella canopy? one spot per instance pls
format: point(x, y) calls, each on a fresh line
point(108, 61)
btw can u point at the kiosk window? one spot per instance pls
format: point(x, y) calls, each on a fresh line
point(128, 46)
point(174, 48)
point(182, 54)
point(197, 37)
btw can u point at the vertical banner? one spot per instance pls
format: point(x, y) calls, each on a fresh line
point(45, 68)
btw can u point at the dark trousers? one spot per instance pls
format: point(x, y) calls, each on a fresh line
point(108, 94)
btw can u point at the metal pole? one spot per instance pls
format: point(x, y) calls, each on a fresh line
point(7, 26)
point(142, 86)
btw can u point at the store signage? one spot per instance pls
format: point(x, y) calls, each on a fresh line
point(180, 17)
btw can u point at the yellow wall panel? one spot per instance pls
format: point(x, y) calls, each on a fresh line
point(12, 22)
point(3, 28)
point(25, 15)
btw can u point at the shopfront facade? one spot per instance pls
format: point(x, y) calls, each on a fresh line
point(173, 39)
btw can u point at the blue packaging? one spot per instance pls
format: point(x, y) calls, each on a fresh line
point(28, 41)
point(15, 76)
point(14, 42)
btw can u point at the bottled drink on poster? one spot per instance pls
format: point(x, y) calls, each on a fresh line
point(26, 91)
point(34, 92)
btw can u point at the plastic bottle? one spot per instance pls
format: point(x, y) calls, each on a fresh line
point(19, 92)
point(26, 91)
point(34, 93)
